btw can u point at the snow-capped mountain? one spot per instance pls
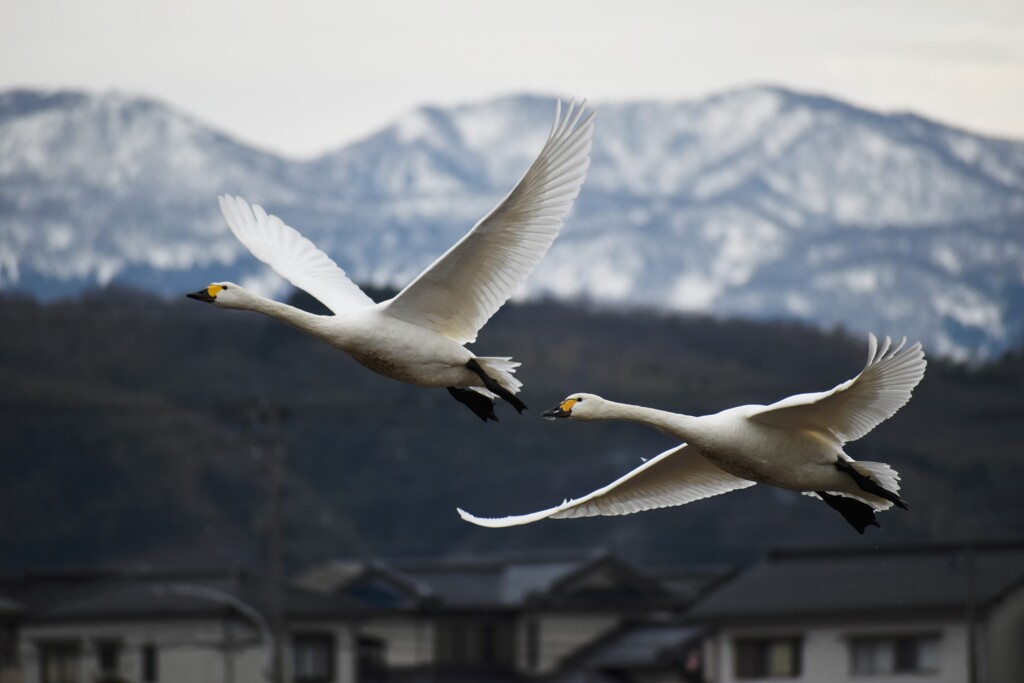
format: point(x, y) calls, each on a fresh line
point(757, 202)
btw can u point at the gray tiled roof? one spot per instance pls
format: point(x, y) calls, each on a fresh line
point(512, 582)
point(455, 583)
point(498, 584)
point(9, 606)
point(643, 645)
point(846, 581)
point(635, 646)
point(113, 596)
point(336, 575)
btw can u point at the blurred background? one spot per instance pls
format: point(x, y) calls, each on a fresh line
point(194, 494)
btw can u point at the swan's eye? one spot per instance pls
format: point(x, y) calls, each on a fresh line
point(579, 400)
point(224, 286)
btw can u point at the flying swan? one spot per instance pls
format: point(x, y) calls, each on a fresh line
point(419, 335)
point(796, 443)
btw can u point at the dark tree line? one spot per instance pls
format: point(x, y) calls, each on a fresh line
point(125, 435)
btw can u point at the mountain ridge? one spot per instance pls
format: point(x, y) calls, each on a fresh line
point(757, 202)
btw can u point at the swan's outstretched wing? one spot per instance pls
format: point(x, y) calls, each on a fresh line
point(675, 477)
point(291, 255)
point(855, 407)
point(462, 289)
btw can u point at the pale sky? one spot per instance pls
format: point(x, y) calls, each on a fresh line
point(302, 77)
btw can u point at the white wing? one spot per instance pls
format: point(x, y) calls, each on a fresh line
point(462, 289)
point(672, 478)
point(855, 407)
point(291, 255)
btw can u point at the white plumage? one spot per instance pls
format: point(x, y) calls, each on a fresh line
point(418, 335)
point(796, 443)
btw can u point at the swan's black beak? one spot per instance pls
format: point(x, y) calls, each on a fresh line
point(202, 295)
point(563, 409)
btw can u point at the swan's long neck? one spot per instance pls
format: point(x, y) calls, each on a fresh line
point(296, 317)
point(674, 424)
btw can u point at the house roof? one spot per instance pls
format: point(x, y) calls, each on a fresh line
point(121, 595)
point(641, 645)
point(9, 606)
point(373, 582)
point(868, 579)
point(580, 580)
point(634, 646)
point(691, 582)
point(489, 583)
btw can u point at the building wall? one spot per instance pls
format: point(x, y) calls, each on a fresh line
point(344, 651)
point(826, 655)
point(410, 641)
point(1001, 646)
point(187, 651)
point(563, 634)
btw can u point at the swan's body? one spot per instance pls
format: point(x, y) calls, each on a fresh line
point(418, 336)
point(796, 443)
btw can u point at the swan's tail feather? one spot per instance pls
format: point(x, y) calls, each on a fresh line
point(496, 374)
point(502, 371)
point(877, 479)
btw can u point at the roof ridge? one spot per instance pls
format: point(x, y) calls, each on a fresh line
point(921, 548)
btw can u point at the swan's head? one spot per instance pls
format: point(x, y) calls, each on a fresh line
point(578, 406)
point(224, 294)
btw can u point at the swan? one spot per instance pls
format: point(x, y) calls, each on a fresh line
point(796, 443)
point(418, 336)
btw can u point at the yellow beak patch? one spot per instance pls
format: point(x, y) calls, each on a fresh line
point(567, 404)
point(212, 290)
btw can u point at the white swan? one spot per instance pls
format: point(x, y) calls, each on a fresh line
point(796, 443)
point(418, 336)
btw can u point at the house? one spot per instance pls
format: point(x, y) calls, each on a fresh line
point(922, 613)
point(495, 620)
point(172, 627)
point(928, 614)
point(10, 615)
point(533, 618)
point(651, 651)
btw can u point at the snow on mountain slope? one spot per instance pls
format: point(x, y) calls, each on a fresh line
point(756, 202)
point(91, 185)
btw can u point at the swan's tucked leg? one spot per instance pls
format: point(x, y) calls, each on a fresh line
point(493, 386)
point(482, 406)
point(869, 485)
point(859, 515)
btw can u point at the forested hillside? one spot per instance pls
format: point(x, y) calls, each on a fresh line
point(126, 432)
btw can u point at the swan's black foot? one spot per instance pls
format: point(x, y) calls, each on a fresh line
point(494, 387)
point(859, 515)
point(869, 485)
point(481, 406)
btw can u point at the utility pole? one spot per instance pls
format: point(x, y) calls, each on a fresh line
point(266, 422)
point(972, 615)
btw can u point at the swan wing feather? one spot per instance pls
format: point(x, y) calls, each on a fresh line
point(463, 288)
point(675, 477)
point(855, 407)
point(292, 256)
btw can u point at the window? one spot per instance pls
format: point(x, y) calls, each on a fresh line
point(475, 643)
point(314, 658)
point(371, 663)
point(533, 644)
point(149, 663)
point(108, 655)
point(767, 657)
point(880, 655)
point(59, 662)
